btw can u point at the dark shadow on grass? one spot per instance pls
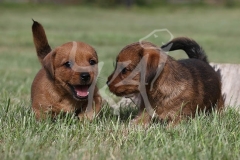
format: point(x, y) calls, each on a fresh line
point(126, 113)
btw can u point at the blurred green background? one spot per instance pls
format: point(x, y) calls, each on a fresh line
point(108, 26)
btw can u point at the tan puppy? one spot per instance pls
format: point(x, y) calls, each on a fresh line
point(169, 89)
point(67, 80)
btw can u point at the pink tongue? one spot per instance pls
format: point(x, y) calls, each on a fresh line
point(82, 91)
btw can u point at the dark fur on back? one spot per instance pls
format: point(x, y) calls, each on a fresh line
point(192, 49)
point(205, 82)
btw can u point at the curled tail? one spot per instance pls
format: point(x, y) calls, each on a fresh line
point(191, 47)
point(40, 40)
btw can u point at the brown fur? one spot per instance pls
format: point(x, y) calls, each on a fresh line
point(182, 89)
point(54, 87)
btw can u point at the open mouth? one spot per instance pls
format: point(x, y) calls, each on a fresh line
point(130, 95)
point(80, 91)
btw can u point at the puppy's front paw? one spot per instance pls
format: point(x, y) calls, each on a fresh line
point(87, 115)
point(90, 115)
point(143, 120)
point(83, 117)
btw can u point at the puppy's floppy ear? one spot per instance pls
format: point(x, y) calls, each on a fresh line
point(40, 40)
point(152, 62)
point(48, 63)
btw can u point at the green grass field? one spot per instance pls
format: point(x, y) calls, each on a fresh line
point(110, 136)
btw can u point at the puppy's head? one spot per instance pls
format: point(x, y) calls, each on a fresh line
point(73, 67)
point(136, 67)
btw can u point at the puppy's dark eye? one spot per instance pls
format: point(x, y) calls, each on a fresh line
point(67, 64)
point(92, 62)
point(124, 71)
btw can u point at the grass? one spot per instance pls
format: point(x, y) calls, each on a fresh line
point(110, 136)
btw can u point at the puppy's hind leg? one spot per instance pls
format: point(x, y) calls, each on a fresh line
point(220, 104)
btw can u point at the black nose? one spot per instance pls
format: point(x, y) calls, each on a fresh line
point(108, 82)
point(85, 76)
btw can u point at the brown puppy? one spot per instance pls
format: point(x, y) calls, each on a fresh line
point(169, 89)
point(67, 80)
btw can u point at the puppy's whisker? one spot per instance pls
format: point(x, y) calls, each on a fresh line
point(132, 101)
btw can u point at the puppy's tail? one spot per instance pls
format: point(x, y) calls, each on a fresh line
point(190, 46)
point(40, 40)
